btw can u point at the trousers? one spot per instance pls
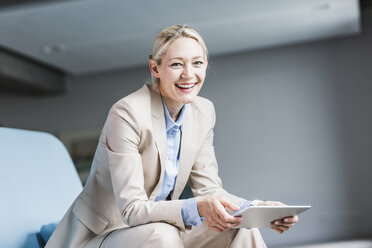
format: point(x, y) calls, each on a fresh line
point(166, 235)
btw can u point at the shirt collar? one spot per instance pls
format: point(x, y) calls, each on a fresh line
point(169, 123)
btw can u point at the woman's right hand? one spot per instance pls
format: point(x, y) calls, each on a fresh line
point(212, 208)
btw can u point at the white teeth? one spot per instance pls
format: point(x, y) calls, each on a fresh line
point(185, 86)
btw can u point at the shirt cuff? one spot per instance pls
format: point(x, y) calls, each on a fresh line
point(190, 213)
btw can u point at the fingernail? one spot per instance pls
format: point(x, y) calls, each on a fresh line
point(286, 220)
point(276, 222)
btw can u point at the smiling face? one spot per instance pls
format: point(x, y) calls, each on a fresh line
point(181, 72)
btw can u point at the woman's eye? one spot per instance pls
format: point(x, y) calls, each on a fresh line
point(198, 62)
point(176, 64)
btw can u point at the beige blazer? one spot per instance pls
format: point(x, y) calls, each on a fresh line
point(128, 169)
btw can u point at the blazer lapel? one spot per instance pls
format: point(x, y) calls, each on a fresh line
point(159, 131)
point(187, 147)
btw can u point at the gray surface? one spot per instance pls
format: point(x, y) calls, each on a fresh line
point(21, 75)
point(99, 35)
point(296, 122)
point(339, 244)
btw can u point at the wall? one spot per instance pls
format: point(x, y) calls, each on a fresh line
point(293, 124)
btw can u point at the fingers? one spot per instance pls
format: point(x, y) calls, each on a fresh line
point(277, 229)
point(284, 224)
point(291, 219)
point(212, 208)
point(225, 220)
point(224, 225)
point(220, 227)
point(224, 216)
point(228, 204)
point(228, 224)
point(287, 220)
point(280, 224)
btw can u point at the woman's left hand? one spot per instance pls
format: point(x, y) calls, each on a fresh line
point(281, 225)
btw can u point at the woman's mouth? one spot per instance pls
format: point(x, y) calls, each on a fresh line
point(186, 87)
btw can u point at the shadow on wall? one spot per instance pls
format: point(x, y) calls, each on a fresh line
point(352, 90)
point(302, 132)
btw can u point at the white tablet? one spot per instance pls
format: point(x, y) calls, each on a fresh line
point(262, 216)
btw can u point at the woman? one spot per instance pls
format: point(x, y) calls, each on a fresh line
point(153, 141)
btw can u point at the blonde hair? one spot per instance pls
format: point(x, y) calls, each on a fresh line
point(167, 36)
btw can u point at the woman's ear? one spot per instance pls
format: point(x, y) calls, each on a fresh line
point(154, 68)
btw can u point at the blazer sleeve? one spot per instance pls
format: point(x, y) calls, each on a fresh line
point(204, 179)
point(123, 136)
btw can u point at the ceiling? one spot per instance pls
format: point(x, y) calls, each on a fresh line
point(90, 36)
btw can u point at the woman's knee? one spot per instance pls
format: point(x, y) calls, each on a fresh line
point(165, 235)
point(148, 235)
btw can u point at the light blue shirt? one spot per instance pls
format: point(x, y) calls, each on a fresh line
point(189, 210)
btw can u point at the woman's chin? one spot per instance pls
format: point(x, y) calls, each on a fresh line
point(187, 99)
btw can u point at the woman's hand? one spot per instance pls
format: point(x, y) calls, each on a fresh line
point(212, 208)
point(281, 225)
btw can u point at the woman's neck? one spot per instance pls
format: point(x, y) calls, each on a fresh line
point(174, 108)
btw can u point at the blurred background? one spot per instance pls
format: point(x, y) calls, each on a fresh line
point(291, 81)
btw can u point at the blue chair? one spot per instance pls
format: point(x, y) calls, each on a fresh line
point(38, 184)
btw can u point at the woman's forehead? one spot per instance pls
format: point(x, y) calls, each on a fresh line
point(184, 47)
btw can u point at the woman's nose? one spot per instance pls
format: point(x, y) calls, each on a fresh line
point(187, 71)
